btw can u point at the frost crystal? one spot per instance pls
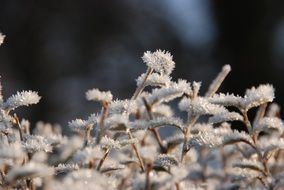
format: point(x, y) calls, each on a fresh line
point(100, 96)
point(160, 61)
point(24, 98)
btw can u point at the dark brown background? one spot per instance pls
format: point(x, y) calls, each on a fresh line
point(63, 48)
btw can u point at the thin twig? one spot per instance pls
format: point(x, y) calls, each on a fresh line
point(100, 130)
point(19, 126)
point(137, 153)
point(140, 88)
point(103, 159)
point(148, 170)
point(154, 130)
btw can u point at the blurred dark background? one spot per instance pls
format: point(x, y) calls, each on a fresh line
point(63, 48)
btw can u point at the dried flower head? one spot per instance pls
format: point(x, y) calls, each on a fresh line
point(100, 96)
point(160, 61)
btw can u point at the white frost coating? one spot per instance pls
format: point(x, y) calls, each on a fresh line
point(228, 116)
point(24, 98)
point(78, 124)
point(100, 96)
point(200, 106)
point(226, 99)
point(154, 79)
point(160, 61)
point(123, 106)
point(109, 143)
point(269, 123)
point(34, 144)
point(166, 94)
point(257, 96)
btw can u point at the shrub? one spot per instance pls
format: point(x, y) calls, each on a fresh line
point(121, 147)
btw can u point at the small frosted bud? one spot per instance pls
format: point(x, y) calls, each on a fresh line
point(1, 38)
point(160, 61)
point(100, 96)
point(24, 98)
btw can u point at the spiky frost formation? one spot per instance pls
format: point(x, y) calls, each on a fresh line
point(24, 98)
point(160, 61)
point(99, 96)
point(34, 144)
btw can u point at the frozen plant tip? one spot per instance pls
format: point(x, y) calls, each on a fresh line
point(160, 61)
point(24, 98)
point(99, 96)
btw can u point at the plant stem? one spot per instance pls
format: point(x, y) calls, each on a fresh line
point(140, 88)
point(100, 130)
point(103, 159)
point(137, 153)
point(19, 127)
point(154, 130)
point(148, 170)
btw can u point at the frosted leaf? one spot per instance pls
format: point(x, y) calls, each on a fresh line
point(257, 96)
point(117, 122)
point(2, 37)
point(174, 140)
point(123, 106)
point(79, 125)
point(100, 96)
point(24, 98)
point(229, 116)
point(268, 145)
point(200, 106)
point(269, 124)
point(226, 99)
point(242, 174)
point(30, 170)
point(34, 144)
point(165, 160)
point(87, 155)
point(154, 79)
point(109, 143)
point(162, 110)
point(235, 137)
point(166, 94)
point(65, 168)
point(149, 152)
point(160, 61)
point(158, 122)
point(250, 164)
point(207, 136)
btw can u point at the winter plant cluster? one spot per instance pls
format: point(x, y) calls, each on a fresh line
point(121, 147)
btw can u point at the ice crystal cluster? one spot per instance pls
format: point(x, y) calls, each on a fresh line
point(121, 147)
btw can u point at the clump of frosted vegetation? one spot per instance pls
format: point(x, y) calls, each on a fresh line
point(121, 147)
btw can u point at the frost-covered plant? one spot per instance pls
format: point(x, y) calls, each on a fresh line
point(121, 147)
